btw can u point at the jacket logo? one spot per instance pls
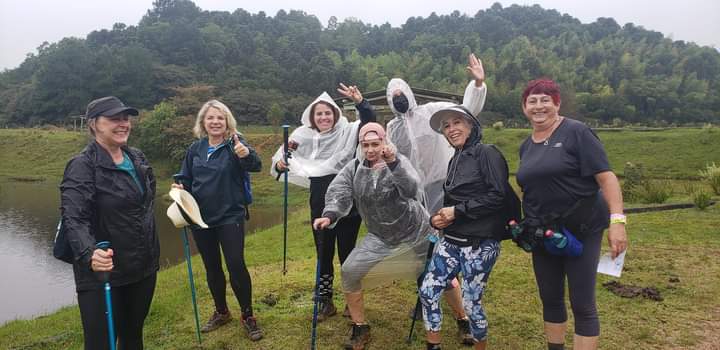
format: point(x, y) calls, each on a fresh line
point(557, 145)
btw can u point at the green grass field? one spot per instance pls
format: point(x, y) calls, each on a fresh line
point(680, 245)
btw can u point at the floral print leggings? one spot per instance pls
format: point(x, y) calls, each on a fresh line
point(447, 261)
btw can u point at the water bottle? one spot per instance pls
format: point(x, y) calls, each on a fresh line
point(516, 231)
point(558, 239)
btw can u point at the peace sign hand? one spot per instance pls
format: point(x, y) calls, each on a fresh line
point(351, 92)
point(476, 70)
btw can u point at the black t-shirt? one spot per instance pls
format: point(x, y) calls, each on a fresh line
point(558, 172)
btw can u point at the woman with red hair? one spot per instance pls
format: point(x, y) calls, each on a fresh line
point(567, 183)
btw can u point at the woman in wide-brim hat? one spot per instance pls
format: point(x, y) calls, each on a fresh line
point(478, 201)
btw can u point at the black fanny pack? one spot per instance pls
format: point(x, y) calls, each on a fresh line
point(465, 241)
point(528, 234)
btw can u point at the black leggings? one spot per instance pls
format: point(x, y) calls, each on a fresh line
point(131, 304)
point(232, 239)
point(345, 233)
point(581, 272)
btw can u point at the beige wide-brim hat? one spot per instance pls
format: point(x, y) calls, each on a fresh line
point(184, 208)
point(437, 119)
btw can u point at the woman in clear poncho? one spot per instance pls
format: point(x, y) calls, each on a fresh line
point(386, 191)
point(325, 142)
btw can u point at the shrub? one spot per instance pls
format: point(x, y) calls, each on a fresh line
point(498, 125)
point(711, 174)
point(654, 191)
point(701, 198)
point(634, 179)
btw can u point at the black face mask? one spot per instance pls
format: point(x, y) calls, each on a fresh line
point(400, 102)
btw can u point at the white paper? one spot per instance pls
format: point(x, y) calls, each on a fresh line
point(610, 266)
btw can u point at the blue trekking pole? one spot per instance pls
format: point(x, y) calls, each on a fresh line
point(286, 155)
point(186, 244)
point(104, 277)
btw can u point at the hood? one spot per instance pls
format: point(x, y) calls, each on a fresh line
point(325, 97)
point(399, 84)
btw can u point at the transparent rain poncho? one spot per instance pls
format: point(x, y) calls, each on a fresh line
point(319, 153)
point(427, 150)
point(397, 223)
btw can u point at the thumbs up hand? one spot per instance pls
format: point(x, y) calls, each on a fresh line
point(239, 148)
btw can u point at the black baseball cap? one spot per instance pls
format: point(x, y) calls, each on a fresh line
point(108, 106)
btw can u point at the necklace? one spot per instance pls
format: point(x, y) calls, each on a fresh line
point(545, 141)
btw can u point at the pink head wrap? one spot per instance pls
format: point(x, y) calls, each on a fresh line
point(371, 131)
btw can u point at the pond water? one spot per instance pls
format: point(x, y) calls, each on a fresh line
point(34, 282)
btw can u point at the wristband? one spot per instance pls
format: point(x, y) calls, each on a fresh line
point(618, 219)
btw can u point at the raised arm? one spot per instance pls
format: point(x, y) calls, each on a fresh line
point(365, 109)
point(476, 90)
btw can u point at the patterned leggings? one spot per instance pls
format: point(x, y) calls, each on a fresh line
point(446, 262)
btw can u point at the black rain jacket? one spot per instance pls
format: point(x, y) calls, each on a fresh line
point(100, 202)
point(477, 186)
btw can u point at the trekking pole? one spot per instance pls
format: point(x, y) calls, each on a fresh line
point(192, 283)
point(286, 153)
point(104, 276)
point(186, 246)
point(316, 295)
point(431, 247)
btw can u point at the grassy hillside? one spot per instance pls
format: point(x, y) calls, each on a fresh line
point(672, 153)
point(666, 252)
point(665, 247)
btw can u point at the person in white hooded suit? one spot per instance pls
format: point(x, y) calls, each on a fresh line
point(430, 153)
point(324, 143)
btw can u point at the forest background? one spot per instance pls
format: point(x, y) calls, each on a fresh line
point(267, 68)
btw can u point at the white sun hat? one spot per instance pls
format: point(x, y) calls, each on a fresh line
point(184, 208)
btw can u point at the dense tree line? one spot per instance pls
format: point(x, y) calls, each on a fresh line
point(609, 73)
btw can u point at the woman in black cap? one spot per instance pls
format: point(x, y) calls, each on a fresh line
point(107, 194)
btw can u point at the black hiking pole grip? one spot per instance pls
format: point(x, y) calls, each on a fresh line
point(428, 256)
point(286, 155)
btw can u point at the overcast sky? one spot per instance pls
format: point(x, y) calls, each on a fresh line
point(25, 24)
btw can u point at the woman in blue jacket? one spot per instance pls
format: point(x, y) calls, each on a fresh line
point(213, 172)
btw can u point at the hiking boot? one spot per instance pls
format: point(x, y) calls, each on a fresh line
point(359, 337)
point(326, 309)
point(254, 332)
point(216, 320)
point(464, 335)
point(431, 346)
point(346, 312)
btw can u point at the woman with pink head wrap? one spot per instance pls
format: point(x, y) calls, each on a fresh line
point(386, 191)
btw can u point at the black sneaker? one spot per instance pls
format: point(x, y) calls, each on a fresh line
point(359, 337)
point(464, 335)
point(254, 332)
point(216, 320)
point(326, 309)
